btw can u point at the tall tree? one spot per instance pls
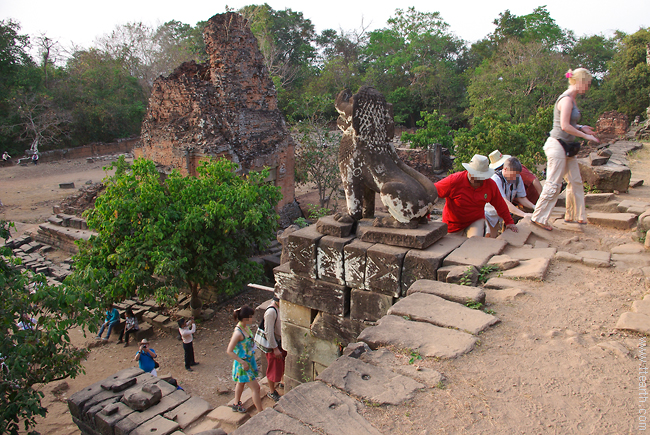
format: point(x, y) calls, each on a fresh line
point(415, 62)
point(628, 81)
point(105, 101)
point(517, 80)
point(38, 351)
point(155, 237)
point(17, 70)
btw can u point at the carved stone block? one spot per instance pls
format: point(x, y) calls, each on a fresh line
point(300, 342)
point(354, 255)
point(302, 248)
point(296, 314)
point(328, 225)
point(384, 269)
point(329, 259)
point(419, 238)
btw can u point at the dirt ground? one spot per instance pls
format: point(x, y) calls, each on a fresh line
point(554, 364)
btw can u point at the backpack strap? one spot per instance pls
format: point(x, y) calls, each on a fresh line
point(268, 308)
point(504, 182)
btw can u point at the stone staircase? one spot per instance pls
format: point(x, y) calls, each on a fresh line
point(62, 231)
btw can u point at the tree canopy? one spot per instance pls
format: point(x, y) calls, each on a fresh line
point(41, 351)
point(156, 237)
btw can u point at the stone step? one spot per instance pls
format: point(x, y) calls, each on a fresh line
point(475, 251)
point(432, 309)
point(534, 269)
point(621, 221)
point(407, 367)
point(369, 382)
point(529, 253)
point(271, 421)
point(519, 238)
point(418, 238)
point(451, 292)
point(326, 409)
point(425, 338)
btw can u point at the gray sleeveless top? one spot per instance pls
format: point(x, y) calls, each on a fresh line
point(557, 132)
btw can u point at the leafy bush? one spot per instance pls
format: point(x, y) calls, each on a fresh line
point(492, 131)
point(434, 129)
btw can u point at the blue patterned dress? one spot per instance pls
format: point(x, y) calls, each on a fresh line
point(244, 350)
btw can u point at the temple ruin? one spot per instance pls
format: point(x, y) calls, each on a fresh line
point(226, 107)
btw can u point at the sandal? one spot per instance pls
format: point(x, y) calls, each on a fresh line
point(546, 227)
point(576, 222)
point(239, 407)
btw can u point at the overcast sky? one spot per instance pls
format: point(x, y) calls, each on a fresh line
point(80, 22)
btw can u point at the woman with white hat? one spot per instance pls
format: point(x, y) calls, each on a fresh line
point(466, 194)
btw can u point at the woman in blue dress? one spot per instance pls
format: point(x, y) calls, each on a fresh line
point(241, 349)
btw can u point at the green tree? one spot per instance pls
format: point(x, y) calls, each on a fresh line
point(104, 100)
point(416, 63)
point(594, 53)
point(628, 83)
point(517, 81)
point(493, 131)
point(42, 352)
point(17, 71)
point(156, 237)
point(434, 129)
point(147, 52)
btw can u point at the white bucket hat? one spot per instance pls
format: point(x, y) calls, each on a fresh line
point(497, 159)
point(479, 167)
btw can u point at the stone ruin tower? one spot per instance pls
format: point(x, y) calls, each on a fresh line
point(226, 107)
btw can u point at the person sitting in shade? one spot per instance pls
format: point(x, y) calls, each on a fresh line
point(531, 182)
point(466, 194)
point(112, 319)
point(511, 186)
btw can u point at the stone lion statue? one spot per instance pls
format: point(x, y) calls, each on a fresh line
point(369, 163)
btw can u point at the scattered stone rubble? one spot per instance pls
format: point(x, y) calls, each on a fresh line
point(611, 125)
point(607, 169)
point(30, 252)
point(80, 201)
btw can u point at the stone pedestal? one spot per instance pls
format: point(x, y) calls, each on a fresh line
point(336, 285)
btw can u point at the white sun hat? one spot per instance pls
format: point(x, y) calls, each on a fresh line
point(479, 167)
point(497, 159)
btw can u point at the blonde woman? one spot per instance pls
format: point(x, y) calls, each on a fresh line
point(559, 164)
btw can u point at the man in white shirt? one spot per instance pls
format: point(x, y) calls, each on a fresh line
point(513, 191)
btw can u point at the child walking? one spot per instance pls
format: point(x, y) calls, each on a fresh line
point(244, 368)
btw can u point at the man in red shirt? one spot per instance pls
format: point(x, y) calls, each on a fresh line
point(466, 194)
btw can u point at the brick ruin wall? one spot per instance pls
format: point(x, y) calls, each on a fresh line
point(611, 125)
point(226, 107)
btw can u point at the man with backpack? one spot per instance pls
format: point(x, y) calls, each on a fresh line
point(276, 356)
point(508, 180)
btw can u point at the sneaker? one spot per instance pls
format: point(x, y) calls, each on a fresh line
point(273, 395)
point(119, 342)
point(189, 369)
point(239, 407)
point(98, 338)
point(105, 339)
point(126, 344)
